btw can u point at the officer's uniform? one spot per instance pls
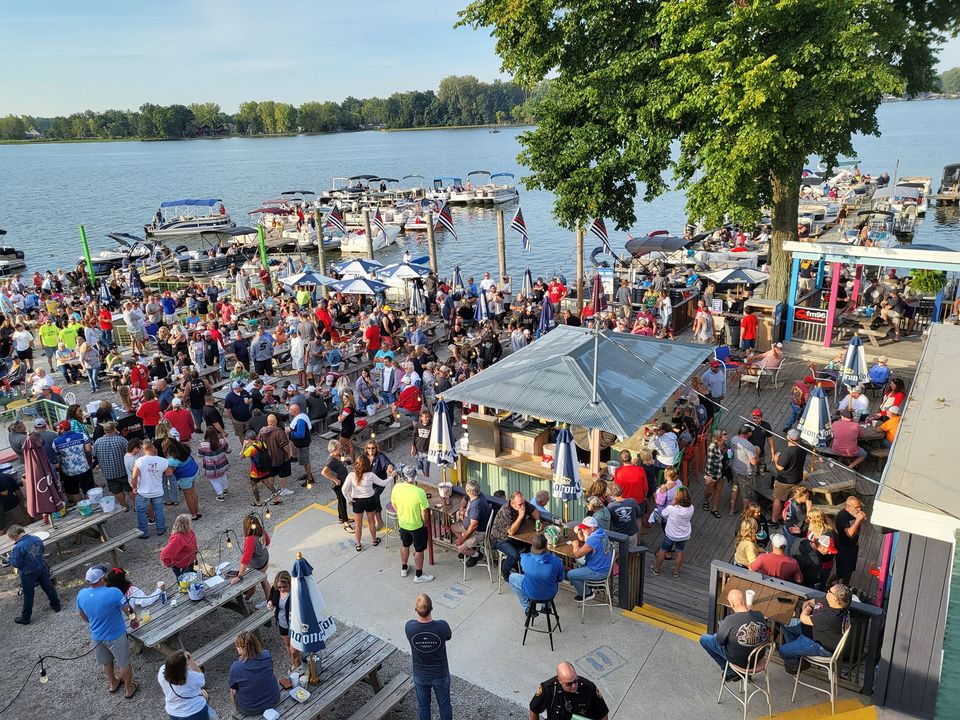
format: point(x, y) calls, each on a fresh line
point(551, 699)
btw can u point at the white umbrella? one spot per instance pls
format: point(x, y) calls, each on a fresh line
point(814, 424)
point(403, 271)
point(241, 288)
point(737, 276)
point(311, 625)
point(360, 266)
point(308, 278)
point(418, 305)
point(359, 286)
point(441, 450)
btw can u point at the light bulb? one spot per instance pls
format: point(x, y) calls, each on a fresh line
point(43, 675)
point(267, 514)
point(309, 484)
point(229, 543)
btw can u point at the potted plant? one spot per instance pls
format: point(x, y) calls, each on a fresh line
point(927, 282)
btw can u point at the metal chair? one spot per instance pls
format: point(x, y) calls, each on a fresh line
point(501, 556)
point(757, 663)
point(390, 520)
point(547, 608)
point(596, 586)
point(487, 552)
point(830, 665)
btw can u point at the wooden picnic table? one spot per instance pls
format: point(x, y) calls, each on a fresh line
point(74, 525)
point(826, 480)
point(168, 621)
point(869, 433)
point(372, 420)
point(563, 549)
point(777, 605)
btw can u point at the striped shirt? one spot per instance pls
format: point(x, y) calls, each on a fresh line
point(109, 451)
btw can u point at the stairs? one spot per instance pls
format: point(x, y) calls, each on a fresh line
point(668, 621)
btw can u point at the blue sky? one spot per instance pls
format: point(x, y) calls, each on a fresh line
point(60, 57)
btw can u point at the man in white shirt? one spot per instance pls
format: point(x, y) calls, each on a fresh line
point(487, 282)
point(23, 345)
point(857, 403)
point(666, 445)
point(147, 486)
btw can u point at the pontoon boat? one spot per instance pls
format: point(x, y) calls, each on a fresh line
point(186, 217)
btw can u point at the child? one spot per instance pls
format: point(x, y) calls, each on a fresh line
point(256, 451)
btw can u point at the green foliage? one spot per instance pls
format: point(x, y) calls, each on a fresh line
point(12, 128)
point(928, 282)
point(950, 81)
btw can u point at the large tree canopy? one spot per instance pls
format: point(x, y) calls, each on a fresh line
point(727, 98)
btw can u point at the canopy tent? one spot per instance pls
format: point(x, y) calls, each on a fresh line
point(204, 202)
point(552, 378)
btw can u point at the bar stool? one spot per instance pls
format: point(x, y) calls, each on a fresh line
point(390, 520)
point(542, 607)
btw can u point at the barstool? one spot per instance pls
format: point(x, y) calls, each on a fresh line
point(390, 520)
point(541, 607)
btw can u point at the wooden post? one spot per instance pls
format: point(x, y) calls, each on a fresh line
point(832, 306)
point(366, 229)
point(321, 255)
point(595, 452)
point(501, 245)
point(431, 244)
point(579, 283)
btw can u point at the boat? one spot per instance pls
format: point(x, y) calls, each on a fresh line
point(902, 201)
point(949, 192)
point(443, 186)
point(132, 249)
point(411, 188)
point(211, 257)
point(186, 217)
point(11, 259)
point(922, 183)
point(355, 241)
point(495, 193)
point(469, 194)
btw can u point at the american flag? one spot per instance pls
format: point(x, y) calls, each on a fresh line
point(378, 222)
point(335, 220)
point(520, 226)
point(600, 230)
point(444, 218)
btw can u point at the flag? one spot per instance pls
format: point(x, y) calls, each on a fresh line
point(520, 226)
point(335, 220)
point(444, 218)
point(378, 221)
point(600, 230)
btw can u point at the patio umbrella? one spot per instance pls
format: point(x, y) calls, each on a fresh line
point(481, 313)
point(43, 493)
point(546, 317)
point(359, 286)
point(288, 268)
point(854, 370)
point(737, 276)
point(597, 295)
point(403, 271)
point(418, 304)
point(526, 287)
point(442, 451)
point(814, 424)
point(105, 297)
point(360, 266)
point(566, 470)
point(310, 623)
point(458, 280)
point(308, 278)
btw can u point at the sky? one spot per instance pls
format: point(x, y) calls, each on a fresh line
point(66, 56)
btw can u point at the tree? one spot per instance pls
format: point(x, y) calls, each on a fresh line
point(950, 81)
point(248, 118)
point(207, 113)
point(284, 118)
point(12, 128)
point(745, 92)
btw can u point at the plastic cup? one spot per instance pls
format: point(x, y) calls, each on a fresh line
point(751, 594)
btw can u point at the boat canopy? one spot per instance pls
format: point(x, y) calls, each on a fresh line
point(388, 180)
point(271, 211)
point(657, 243)
point(506, 175)
point(413, 177)
point(478, 172)
point(210, 202)
point(900, 191)
point(951, 175)
point(124, 238)
point(364, 177)
point(237, 231)
point(298, 192)
point(876, 212)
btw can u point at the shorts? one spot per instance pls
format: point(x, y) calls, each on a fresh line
point(135, 333)
point(284, 631)
point(25, 354)
point(50, 352)
point(120, 485)
point(747, 344)
point(747, 485)
point(73, 484)
point(187, 483)
point(417, 538)
point(113, 651)
point(315, 366)
point(669, 545)
point(281, 471)
point(782, 491)
point(303, 455)
point(240, 427)
point(364, 505)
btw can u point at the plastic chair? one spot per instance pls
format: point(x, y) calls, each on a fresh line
point(548, 608)
point(597, 586)
point(487, 552)
point(830, 665)
point(70, 397)
point(757, 663)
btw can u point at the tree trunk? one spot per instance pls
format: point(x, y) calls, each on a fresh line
point(783, 221)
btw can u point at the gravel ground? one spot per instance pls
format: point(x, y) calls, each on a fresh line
point(77, 688)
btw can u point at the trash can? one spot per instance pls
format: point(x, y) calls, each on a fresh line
point(732, 330)
point(768, 329)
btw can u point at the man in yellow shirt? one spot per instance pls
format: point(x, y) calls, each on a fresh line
point(413, 513)
point(890, 426)
point(49, 337)
point(68, 335)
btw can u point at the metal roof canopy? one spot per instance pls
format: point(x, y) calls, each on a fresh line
point(903, 256)
point(552, 379)
point(923, 459)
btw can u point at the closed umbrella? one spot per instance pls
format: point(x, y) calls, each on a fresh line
point(43, 492)
point(241, 287)
point(418, 304)
point(442, 451)
point(566, 470)
point(481, 313)
point(546, 317)
point(458, 285)
point(311, 625)
point(815, 422)
point(289, 269)
point(526, 287)
point(854, 370)
point(597, 295)
point(105, 297)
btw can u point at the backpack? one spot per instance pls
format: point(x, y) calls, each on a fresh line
point(261, 457)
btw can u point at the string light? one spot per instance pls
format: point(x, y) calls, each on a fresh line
point(43, 673)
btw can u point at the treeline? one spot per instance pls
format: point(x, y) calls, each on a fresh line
point(950, 81)
point(460, 100)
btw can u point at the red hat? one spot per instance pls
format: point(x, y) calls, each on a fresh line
point(63, 425)
point(809, 380)
point(714, 363)
point(757, 412)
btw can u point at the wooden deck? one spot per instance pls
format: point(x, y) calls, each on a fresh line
point(713, 538)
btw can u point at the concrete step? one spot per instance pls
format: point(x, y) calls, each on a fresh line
point(649, 611)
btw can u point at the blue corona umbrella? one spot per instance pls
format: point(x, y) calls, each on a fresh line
point(814, 424)
point(418, 304)
point(854, 370)
point(360, 266)
point(105, 296)
point(526, 287)
point(566, 470)
point(458, 285)
point(546, 317)
point(403, 271)
point(311, 625)
point(442, 450)
point(359, 286)
point(308, 278)
point(481, 312)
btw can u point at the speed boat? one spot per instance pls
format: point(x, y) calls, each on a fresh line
point(189, 217)
point(923, 184)
point(355, 241)
point(443, 186)
point(11, 259)
point(132, 249)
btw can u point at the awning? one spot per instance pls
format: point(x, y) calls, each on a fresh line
point(195, 202)
point(552, 379)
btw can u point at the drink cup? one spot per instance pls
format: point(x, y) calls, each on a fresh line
point(751, 594)
point(294, 680)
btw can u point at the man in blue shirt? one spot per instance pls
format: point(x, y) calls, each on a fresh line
point(237, 407)
point(475, 511)
point(73, 449)
point(593, 546)
point(169, 304)
point(102, 608)
point(542, 575)
point(27, 557)
point(428, 647)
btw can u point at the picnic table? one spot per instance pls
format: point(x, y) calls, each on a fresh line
point(826, 480)
point(352, 656)
point(856, 322)
point(563, 549)
point(167, 622)
point(372, 420)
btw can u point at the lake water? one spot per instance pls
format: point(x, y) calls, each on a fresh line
point(47, 190)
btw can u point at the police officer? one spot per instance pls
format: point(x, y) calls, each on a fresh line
point(567, 694)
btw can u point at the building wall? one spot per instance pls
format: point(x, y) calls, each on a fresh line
point(912, 645)
point(492, 478)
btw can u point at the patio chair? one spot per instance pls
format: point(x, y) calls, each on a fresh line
point(487, 550)
point(757, 664)
point(830, 664)
point(824, 382)
point(600, 586)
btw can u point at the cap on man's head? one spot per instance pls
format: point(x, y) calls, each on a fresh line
point(328, 380)
point(95, 574)
point(39, 423)
point(757, 412)
point(237, 384)
point(291, 387)
point(779, 344)
point(809, 380)
point(65, 424)
point(746, 429)
point(588, 523)
point(176, 402)
point(895, 410)
point(311, 388)
point(405, 380)
point(409, 473)
point(778, 540)
point(714, 363)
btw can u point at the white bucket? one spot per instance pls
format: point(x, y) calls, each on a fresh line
point(94, 495)
point(108, 503)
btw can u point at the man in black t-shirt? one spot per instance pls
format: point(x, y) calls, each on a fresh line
point(818, 630)
point(761, 437)
point(566, 694)
point(849, 522)
point(428, 649)
point(737, 634)
point(789, 465)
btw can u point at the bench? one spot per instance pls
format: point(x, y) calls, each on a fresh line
point(88, 556)
point(388, 434)
point(385, 700)
point(221, 643)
